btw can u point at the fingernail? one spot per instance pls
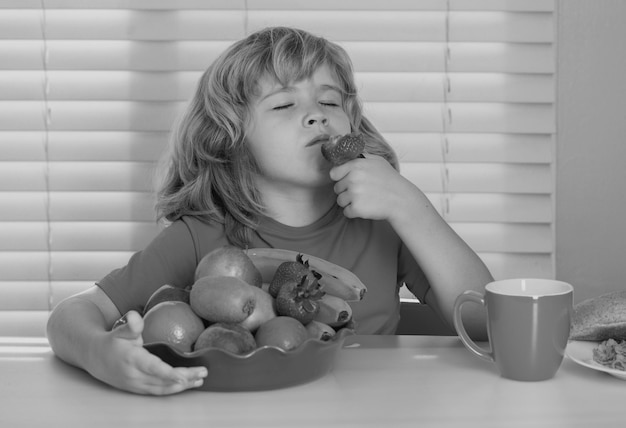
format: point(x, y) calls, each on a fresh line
point(123, 320)
point(198, 383)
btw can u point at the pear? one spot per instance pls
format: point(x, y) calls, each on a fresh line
point(225, 299)
point(229, 337)
point(167, 293)
point(229, 260)
point(264, 310)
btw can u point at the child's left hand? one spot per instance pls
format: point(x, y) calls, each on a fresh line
point(371, 188)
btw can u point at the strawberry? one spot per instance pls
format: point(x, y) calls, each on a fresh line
point(290, 271)
point(300, 299)
point(341, 149)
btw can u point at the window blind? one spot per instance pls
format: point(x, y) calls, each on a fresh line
point(463, 89)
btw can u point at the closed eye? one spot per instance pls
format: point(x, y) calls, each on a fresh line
point(282, 106)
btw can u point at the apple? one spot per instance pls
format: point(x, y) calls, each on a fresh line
point(229, 260)
point(167, 293)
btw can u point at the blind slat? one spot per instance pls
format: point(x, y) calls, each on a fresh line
point(101, 235)
point(515, 265)
point(107, 146)
point(475, 147)
point(128, 176)
point(405, 25)
point(24, 265)
point(23, 236)
point(424, 87)
point(76, 206)
point(22, 206)
point(21, 146)
point(24, 295)
point(498, 178)
point(24, 324)
point(86, 265)
point(137, 4)
point(493, 207)
point(22, 176)
point(145, 25)
point(506, 238)
point(462, 117)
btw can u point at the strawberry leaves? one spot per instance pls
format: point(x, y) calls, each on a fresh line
point(290, 271)
point(300, 299)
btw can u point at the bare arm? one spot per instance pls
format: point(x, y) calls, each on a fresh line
point(371, 188)
point(79, 331)
point(450, 265)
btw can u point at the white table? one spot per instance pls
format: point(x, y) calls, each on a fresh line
point(384, 381)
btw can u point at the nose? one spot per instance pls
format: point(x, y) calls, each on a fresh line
point(315, 118)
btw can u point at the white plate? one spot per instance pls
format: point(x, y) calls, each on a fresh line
point(581, 352)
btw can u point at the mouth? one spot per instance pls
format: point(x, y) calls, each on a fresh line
point(320, 139)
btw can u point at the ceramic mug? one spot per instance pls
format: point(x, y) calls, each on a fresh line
point(528, 323)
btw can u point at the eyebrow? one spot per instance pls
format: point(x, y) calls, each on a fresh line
point(273, 92)
point(332, 88)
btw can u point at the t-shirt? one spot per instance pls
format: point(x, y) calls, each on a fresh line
point(370, 249)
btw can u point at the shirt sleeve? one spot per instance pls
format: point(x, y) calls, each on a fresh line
point(169, 259)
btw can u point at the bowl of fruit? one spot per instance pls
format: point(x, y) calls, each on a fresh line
point(257, 319)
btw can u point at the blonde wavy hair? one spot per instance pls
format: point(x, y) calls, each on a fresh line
point(208, 170)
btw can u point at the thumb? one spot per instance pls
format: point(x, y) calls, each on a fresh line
point(129, 326)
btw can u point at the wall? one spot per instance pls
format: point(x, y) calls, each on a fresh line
point(591, 146)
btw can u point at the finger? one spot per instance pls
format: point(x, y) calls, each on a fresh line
point(340, 187)
point(187, 376)
point(173, 388)
point(155, 377)
point(193, 374)
point(349, 211)
point(159, 386)
point(343, 199)
point(169, 388)
point(131, 328)
point(339, 172)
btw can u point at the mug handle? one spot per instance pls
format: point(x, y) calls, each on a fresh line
point(467, 297)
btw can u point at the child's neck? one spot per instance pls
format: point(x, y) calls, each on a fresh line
point(297, 209)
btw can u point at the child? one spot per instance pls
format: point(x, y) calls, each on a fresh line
point(245, 167)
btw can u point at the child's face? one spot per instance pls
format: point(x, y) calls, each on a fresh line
point(286, 124)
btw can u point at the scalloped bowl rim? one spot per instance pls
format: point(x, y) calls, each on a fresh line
point(337, 339)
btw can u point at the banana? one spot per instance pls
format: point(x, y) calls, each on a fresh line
point(336, 280)
point(334, 311)
point(319, 330)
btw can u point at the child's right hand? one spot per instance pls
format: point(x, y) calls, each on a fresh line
point(119, 359)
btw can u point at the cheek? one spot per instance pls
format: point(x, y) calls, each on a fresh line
point(342, 123)
point(270, 159)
